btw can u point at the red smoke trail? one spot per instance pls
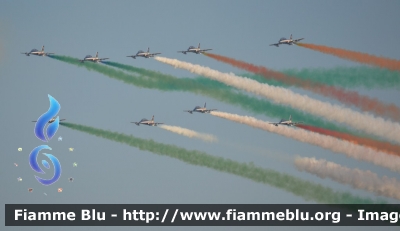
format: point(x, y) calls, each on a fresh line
point(374, 144)
point(391, 64)
point(348, 97)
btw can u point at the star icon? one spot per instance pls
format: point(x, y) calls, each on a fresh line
point(60, 138)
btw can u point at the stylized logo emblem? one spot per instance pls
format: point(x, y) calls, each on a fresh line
point(48, 117)
point(35, 166)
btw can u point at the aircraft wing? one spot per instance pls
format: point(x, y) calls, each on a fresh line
point(297, 123)
point(62, 119)
point(205, 50)
point(210, 110)
point(182, 52)
point(103, 59)
point(151, 55)
point(276, 124)
point(190, 111)
point(158, 123)
point(49, 53)
point(296, 40)
point(275, 44)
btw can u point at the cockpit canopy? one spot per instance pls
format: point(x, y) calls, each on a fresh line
point(140, 51)
point(192, 47)
point(197, 107)
point(34, 50)
point(88, 56)
point(144, 119)
point(283, 38)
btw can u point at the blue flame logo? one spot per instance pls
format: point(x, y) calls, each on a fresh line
point(46, 118)
point(35, 166)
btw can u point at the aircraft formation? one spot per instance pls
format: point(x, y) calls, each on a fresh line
point(191, 49)
point(330, 139)
point(141, 53)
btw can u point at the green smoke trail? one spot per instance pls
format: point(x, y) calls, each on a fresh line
point(155, 80)
point(294, 185)
point(347, 77)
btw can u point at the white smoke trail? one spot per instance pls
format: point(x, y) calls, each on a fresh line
point(328, 142)
point(362, 121)
point(357, 178)
point(189, 133)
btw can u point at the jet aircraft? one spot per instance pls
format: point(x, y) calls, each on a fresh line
point(93, 59)
point(147, 122)
point(52, 120)
point(144, 54)
point(286, 41)
point(36, 52)
point(200, 109)
point(287, 122)
point(195, 50)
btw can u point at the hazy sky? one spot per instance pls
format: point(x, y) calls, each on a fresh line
point(109, 172)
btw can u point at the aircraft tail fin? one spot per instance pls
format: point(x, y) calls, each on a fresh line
point(290, 36)
point(42, 48)
point(97, 54)
point(205, 104)
point(290, 117)
point(152, 118)
point(199, 46)
point(148, 49)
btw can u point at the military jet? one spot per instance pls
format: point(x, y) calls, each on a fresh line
point(200, 109)
point(286, 41)
point(287, 122)
point(147, 122)
point(93, 59)
point(144, 54)
point(194, 50)
point(52, 120)
point(36, 52)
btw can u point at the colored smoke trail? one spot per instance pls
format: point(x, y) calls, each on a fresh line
point(347, 97)
point(391, 64)
point(336, 145)
point(364, 122)
point(189, 133)
point(374, 144)
point(294, 185)
point(198, 85)
point(359, 179)
point(350, 77)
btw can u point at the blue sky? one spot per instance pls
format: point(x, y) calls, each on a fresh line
point(109, 172)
